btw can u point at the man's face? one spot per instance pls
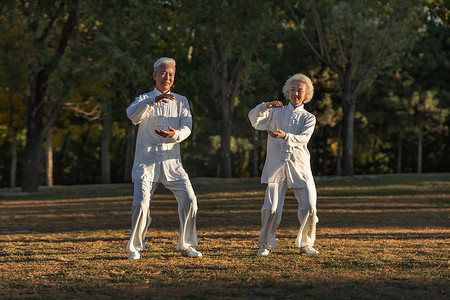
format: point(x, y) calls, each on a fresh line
point(297, 93)
point(164, 77)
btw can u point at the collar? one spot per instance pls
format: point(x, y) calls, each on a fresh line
point(157, 92)
point(296, 109)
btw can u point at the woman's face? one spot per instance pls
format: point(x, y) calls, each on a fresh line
point(297, 92)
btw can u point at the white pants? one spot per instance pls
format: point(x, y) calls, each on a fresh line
point(273, 208)
point(140, 218)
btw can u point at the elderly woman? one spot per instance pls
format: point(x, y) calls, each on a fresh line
point(288, 163)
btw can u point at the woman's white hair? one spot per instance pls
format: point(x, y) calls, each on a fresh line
point(301, 78)
point(164, 61)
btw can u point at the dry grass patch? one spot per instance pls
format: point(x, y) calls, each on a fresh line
point(379, 237)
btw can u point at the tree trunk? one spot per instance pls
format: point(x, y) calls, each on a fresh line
point(324, 150)
point(81, 154)
point(399, 154)
point(225, 140)
point(33, 148)
point(349, 115)
point(129, 155)
point(339, 151)
point(348, 109)
point(419, 148)
point(32, 162)
point(253, 157)
point(106, 137)
point(49, 150)
point(226, 85)
point(13, 171)
point(61, 159)
point(373, 152)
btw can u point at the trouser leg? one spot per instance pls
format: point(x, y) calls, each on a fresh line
point(307, 217)
point(140, 215)
point(271, 214)
point(187, 212)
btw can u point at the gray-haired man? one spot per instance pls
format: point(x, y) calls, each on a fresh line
point(164, 120)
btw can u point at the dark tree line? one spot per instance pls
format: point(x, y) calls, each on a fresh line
point(69, 69)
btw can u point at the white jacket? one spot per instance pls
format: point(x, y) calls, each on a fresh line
point(292, 151)
point(155, 155)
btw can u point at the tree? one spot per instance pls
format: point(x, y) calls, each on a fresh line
point(430, 97)
point(227, 35)
point(412, 94)
point(12, 83)
point(44, 30)
point(11, 112)
point(125, 48)
point(327, 118)
point(425, 112)
point(356, 39)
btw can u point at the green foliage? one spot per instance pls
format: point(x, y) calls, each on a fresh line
point(110, 58)
point(413, 93)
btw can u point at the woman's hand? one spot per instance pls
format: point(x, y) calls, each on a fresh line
point(279, 134)
point(274, 104)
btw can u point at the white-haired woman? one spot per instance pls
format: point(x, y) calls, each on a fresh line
point(288, 163)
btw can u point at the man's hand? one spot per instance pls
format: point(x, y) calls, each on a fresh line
point(279, 134)
point(164, 98)
point(165, 133)
point(274, 104)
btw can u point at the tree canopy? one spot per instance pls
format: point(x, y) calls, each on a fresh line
point(68, 70)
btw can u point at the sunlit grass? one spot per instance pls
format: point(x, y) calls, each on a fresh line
point(378, 237)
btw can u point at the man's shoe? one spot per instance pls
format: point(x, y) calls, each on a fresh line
point(308, 250)
point(191, 252)
point(263, 252)
point(134, 256)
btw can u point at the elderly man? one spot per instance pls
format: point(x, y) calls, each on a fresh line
point(164, 120)
point(287, 163)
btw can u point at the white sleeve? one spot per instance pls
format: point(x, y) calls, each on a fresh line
point(260, 116)
point(138, 109)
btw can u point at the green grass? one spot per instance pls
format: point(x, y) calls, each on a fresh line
point(384, 236)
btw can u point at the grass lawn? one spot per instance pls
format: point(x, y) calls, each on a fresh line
point(379, 237)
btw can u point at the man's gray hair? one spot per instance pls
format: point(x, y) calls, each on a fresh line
point(301, 78)
point(164, 61)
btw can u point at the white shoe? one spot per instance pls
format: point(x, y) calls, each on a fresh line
point(308, 250)
point(263, 252)
point(134, 256)
point(191, 252)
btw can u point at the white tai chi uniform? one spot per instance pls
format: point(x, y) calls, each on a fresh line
point(287, 166)
point(158, 160)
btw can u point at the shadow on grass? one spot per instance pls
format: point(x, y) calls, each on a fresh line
point(217, 213)
point(71, 245)
point(386, 236)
